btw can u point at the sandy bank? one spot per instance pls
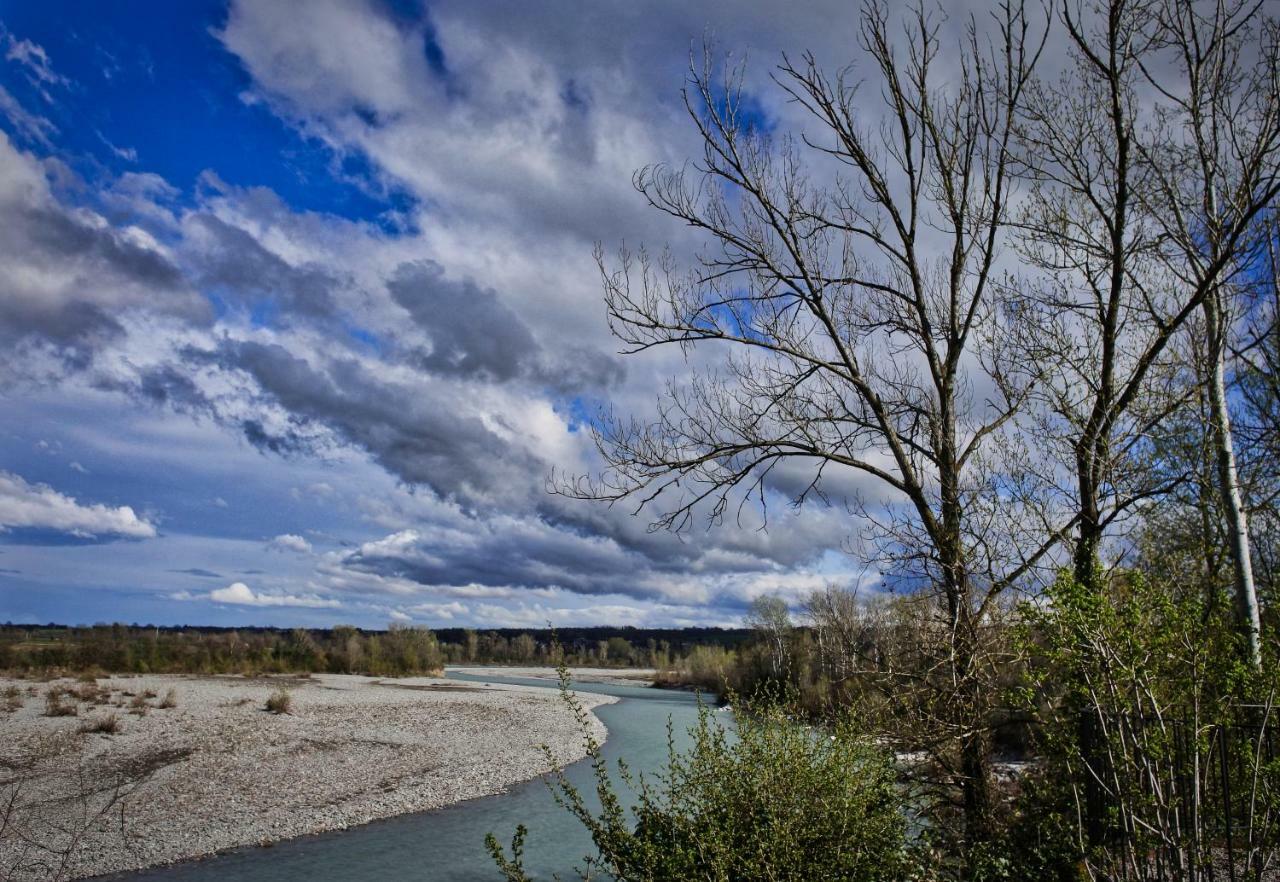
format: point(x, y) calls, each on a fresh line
point(217, 771)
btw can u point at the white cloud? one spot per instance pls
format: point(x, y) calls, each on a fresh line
point(242, 595)
point(290, 542)
point(32, 125)
point(38, 505)
point(35, 64)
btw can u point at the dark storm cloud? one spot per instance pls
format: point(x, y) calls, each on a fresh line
point(228, 261)
point(53, 240)
point(507, 552)
point(472, 332)
point(505, 555)
point(414, 431)
point(165, 384)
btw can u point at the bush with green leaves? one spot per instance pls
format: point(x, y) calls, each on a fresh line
point(776, 799)
point(1153, 736)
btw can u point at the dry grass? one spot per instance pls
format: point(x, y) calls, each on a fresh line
point(170, 699)
point(91, 693)
point(104, 725)
point(280, 702)
point(56, 706)
point(138, 705)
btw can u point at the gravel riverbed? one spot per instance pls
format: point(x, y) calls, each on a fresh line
point(216, 770)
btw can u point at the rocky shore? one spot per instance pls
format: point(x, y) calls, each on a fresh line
point(608, 676)
point(196, 765)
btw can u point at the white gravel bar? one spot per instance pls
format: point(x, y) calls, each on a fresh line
point(609, 676)
point(217, 771)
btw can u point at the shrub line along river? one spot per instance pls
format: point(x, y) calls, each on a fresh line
point(448, 844)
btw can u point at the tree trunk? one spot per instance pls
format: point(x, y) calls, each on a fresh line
point(979, 823)
point(1085, 564)
point(1248, 619)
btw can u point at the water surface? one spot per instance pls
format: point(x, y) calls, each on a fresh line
point(448, 844)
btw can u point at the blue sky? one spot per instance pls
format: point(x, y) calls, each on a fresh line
point(301, 313)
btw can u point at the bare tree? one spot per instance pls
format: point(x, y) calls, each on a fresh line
point(1257, 356)
point(1117, 215)
point(852, 280)
point(834, 616)
point(768, 615)
point(1215, 162)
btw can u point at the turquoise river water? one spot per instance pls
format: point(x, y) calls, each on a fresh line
point(448, 844)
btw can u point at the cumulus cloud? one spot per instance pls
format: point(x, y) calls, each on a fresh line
point(291, 542)
point(433, 434)
point(40, 506)
point(240, 594)
point(471, 330)
point(509, 559)
point(456, 343)
point(69, 273)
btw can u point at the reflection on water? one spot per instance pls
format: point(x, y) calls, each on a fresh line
point(448, 844)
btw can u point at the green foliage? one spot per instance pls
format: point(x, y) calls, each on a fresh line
point(398, 651)
point(777, 800)
point(1142, 696)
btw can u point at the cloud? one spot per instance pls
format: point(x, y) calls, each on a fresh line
point(451, 347)
point(506, 558)
point(240, 594)
point(472, 331)
point(128, 154)
point(32, 126)
point(290, 542)
point(69, 274)
point(230, 262)
point(34, 62)
point(40, 506)
point(198, 571)
point(433, 434)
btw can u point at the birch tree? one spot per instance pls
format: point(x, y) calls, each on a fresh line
point(1123, 152)
point(1215, 161)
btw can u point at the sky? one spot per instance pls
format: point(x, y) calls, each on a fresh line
point(300, 311)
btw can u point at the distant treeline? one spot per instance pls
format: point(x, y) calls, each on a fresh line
point(399, 650)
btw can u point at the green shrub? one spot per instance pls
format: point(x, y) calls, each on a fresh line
point(1151, 736)
point(779, 800)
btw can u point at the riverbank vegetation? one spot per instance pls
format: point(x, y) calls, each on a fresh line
point(398, 651)
point(1010, 300)
point(765, 799)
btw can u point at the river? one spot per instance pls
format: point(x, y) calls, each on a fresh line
point(448, 844)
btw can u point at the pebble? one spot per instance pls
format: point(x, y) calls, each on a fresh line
point(353, 749)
